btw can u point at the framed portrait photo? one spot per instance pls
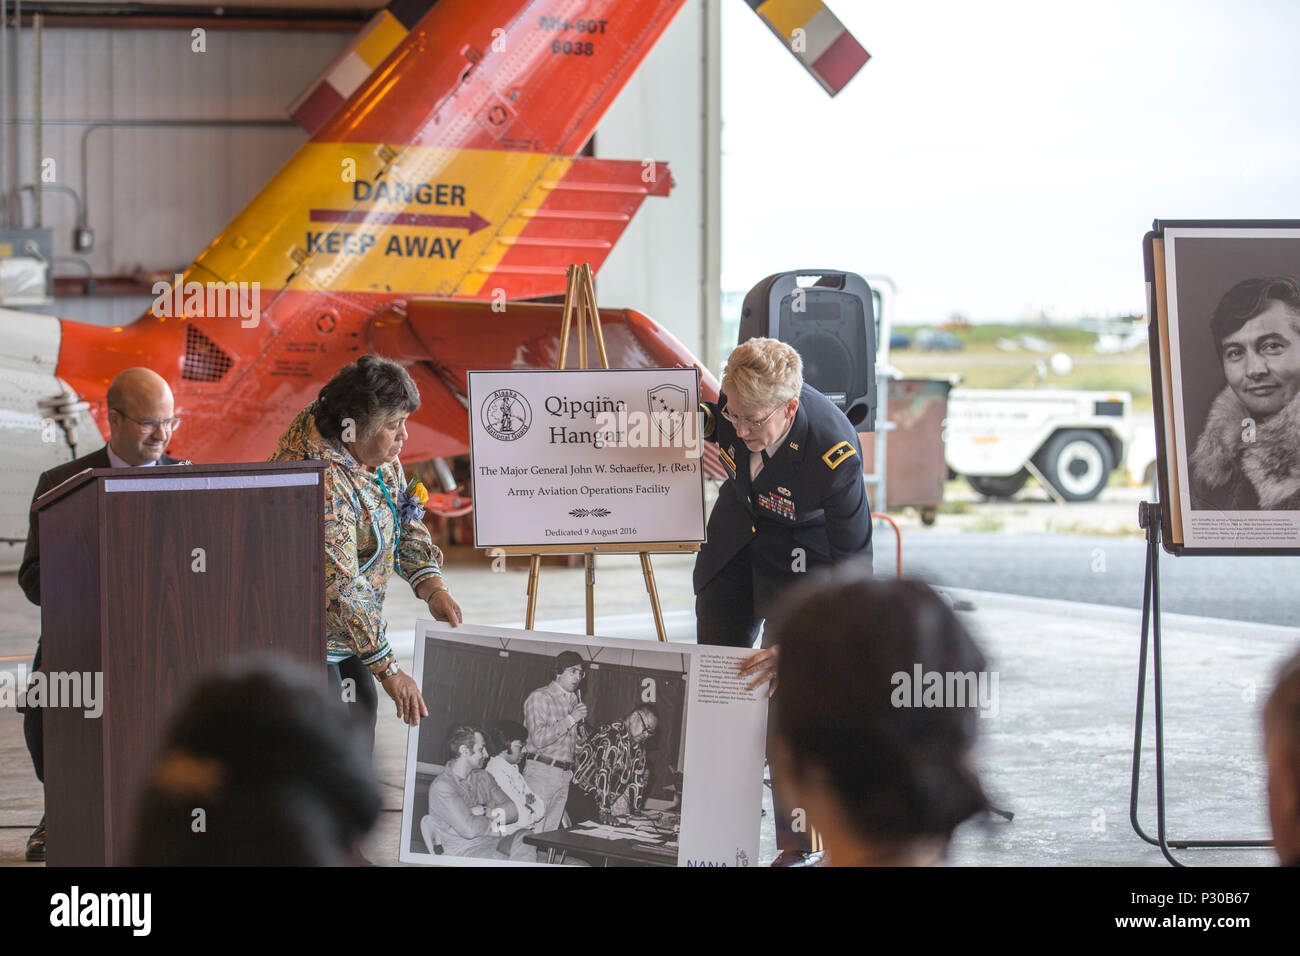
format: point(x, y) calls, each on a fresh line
point(1225, 354)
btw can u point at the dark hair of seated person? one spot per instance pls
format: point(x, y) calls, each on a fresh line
point(501, 733)
point(261, 766)
point(895, 780)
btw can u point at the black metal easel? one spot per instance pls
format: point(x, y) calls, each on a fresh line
point(1149, 519)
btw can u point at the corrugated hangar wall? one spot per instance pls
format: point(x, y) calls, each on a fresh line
point(155, 196)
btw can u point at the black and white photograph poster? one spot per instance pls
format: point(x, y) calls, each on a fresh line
point(566, 750)
point(1234, 338)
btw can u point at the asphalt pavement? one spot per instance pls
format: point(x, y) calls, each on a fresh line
point(1098, 569)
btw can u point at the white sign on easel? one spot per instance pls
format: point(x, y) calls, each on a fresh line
point(595, 457)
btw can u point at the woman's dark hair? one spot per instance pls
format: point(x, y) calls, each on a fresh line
point(1249, 298)
point(368, 391)
point(277, 767)
point(901, 772)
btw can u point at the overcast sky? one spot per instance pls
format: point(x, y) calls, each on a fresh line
point(1005, 157)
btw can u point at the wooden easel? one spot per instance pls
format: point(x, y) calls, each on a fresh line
point(580, 300)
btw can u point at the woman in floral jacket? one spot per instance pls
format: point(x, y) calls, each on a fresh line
point(373, 526)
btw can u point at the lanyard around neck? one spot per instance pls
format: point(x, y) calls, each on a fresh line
point(397, 525)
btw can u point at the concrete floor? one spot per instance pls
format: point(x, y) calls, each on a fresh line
point(1057, 754)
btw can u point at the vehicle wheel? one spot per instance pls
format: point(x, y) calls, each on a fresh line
point(1077, 463)
point(1002, 486)
point(928, 516)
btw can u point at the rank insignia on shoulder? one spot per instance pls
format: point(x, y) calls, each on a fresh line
point(839, 454)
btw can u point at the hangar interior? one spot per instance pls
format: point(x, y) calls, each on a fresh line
point(133, 133)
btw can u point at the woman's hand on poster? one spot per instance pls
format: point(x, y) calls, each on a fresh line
point(761, 667)
point(406, 695)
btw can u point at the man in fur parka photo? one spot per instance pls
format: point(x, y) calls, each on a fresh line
point(1247, 457)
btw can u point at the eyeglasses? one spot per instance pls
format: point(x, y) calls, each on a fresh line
point(647, 729)
point(153, 424)
point(751, 422)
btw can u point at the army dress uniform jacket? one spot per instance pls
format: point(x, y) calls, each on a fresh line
point(807, 508)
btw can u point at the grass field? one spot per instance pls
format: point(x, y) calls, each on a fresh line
point(982, 365)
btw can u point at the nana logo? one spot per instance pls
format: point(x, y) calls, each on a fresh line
point(668, 409)
point(506, 415)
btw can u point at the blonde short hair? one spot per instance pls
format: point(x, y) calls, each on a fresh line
point(763, 372)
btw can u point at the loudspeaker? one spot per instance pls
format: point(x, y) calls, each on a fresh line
point(832, 325)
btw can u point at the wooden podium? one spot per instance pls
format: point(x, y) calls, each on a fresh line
point(154, 577)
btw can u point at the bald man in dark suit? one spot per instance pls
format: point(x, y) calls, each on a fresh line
point(141, 421)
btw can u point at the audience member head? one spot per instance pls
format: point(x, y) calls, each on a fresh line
point(882, 780)
point(261, 766)
point(141, 415)
point(506, 739)
point(364, 407)
point(1282, 750)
